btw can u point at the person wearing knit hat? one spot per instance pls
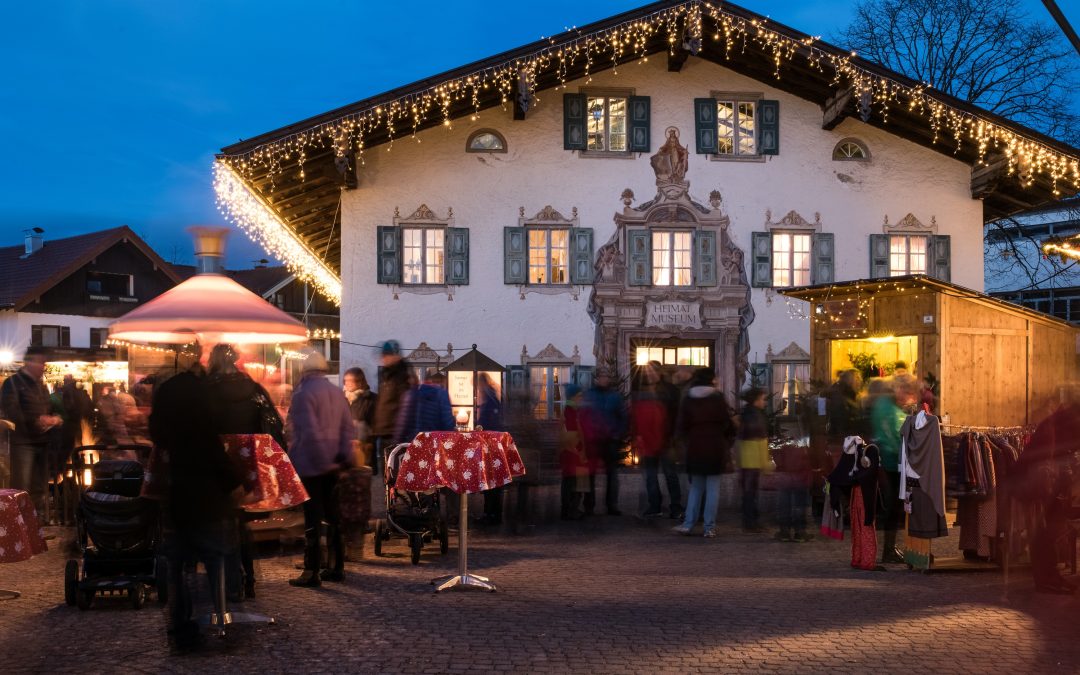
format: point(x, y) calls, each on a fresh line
point(321, 435)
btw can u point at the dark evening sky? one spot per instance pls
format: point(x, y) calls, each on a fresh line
point(112, 110)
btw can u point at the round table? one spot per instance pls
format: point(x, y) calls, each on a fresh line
point(20, 535)
point(466, 463)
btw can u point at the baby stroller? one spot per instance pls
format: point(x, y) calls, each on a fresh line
point(117, 531)
point(416, 516)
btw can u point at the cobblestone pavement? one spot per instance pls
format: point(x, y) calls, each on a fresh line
point(609, 594)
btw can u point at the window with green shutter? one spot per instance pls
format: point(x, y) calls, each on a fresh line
point(430, 253)
point(791, 258)
point(737, 125)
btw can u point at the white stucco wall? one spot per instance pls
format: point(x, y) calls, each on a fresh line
point(486, 190)
point(15, 328)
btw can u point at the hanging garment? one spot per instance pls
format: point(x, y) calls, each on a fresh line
point(922, 459)
point(832, 520)
point(863, 534)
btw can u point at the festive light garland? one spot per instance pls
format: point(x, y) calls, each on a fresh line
point(243, 207)
point(1026, 158)
point(323, 334)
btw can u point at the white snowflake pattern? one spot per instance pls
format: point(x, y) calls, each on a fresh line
point(18, 547)
point(405, 457)
point(500, 446)
point(470, 453)
point(410, 476)
point(268, 452)
point(1, 552)
point(467, 475)
point(436, 458)
point(438, 472)
point(286, 499)
point(447, 445)
point(517, 467)
point(497, 463)
point(449, 463)
point(422, 464)
point(245, 452)
point(19, 520)
point(3, 531)
point(454, 487)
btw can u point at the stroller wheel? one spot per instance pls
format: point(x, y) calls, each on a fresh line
point(71, 582)
point(136, 594)
point(444, 536)
point(416, 542)
point(161, 579)
point(380, 534)
point(84, 599)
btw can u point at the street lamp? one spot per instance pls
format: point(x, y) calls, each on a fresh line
point(462, 379)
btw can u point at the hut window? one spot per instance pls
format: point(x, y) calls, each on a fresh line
point(791, 259)
point(907, 254)
point(849, 150)
point(547, 384)
point(671, 257)
point(486, 140)
point(549, 255)
point(422, 255)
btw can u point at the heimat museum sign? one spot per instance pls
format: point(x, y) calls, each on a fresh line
point(672, 314)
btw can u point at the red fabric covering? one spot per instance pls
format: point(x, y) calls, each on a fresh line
point(464, 462)
point(863, 537)
point(270, 481)
point(650, 427)
point(20, 535)
point(572, 458)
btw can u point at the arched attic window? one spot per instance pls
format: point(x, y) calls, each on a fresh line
point(851, 150)
point(485, 140)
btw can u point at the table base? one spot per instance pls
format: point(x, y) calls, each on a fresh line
point(9, 595)
point(463, 578)
point(473, 580)
point(221, 617)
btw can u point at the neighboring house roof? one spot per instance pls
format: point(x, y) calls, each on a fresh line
point(24, 280)
point(297, 173)
point(261, 281)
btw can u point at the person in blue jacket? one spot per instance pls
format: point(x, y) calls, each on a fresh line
point(426, 407)
point(489, 417)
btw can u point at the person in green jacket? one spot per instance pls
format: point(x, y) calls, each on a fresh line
point(886, 418)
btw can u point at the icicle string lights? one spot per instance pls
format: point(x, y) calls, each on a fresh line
point(240, 205)
point(704, 25)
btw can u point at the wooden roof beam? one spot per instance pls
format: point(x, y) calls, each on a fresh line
point(837, 108)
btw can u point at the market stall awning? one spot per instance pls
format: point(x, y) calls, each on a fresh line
point(210, 308)
point(910, 282)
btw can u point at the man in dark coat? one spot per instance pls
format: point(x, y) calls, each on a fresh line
point(24, 401)
point(393, 383)
point(199, 507)
point(608, 423)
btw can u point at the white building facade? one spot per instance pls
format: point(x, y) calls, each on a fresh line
point(892, 189)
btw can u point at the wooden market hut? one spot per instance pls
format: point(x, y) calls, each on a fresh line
point(998, 364)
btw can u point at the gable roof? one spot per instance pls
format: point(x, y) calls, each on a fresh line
point(296, 173)
point(23, 280)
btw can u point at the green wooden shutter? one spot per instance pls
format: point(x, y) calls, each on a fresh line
point(388, 247)
point(761, 252)
point(583, 377)
point(768, 119)
point(65, 336)
point(35, 335)
point(581, 255)
point(640, 244)
point(640, 138)
point(822, 261)
point(705, 258)
point(515, 255)
point(574, 137)
point(457, 255)
point(705, 126)
point(879, 256)
point(941, 263)
point(517, 380)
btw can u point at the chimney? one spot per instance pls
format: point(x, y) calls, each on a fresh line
point(32, 241)
point(209, 248)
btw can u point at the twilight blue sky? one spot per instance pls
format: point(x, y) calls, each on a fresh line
point(112, 110)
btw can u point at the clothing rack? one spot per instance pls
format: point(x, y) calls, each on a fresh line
point(1004, 538)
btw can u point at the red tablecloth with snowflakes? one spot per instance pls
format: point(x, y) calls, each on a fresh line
point(464, 462)
point(270, 481)
point(20, 534)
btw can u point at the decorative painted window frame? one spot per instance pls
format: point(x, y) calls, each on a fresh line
point(609, 91)
point(857, 141)
point(792, 355)
point(549, 218)
point(425, 218)
point(493, 132)
point(909, 224)
point(792, 222)
point(425, 357)
point(757, 97)
point(550, 357)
